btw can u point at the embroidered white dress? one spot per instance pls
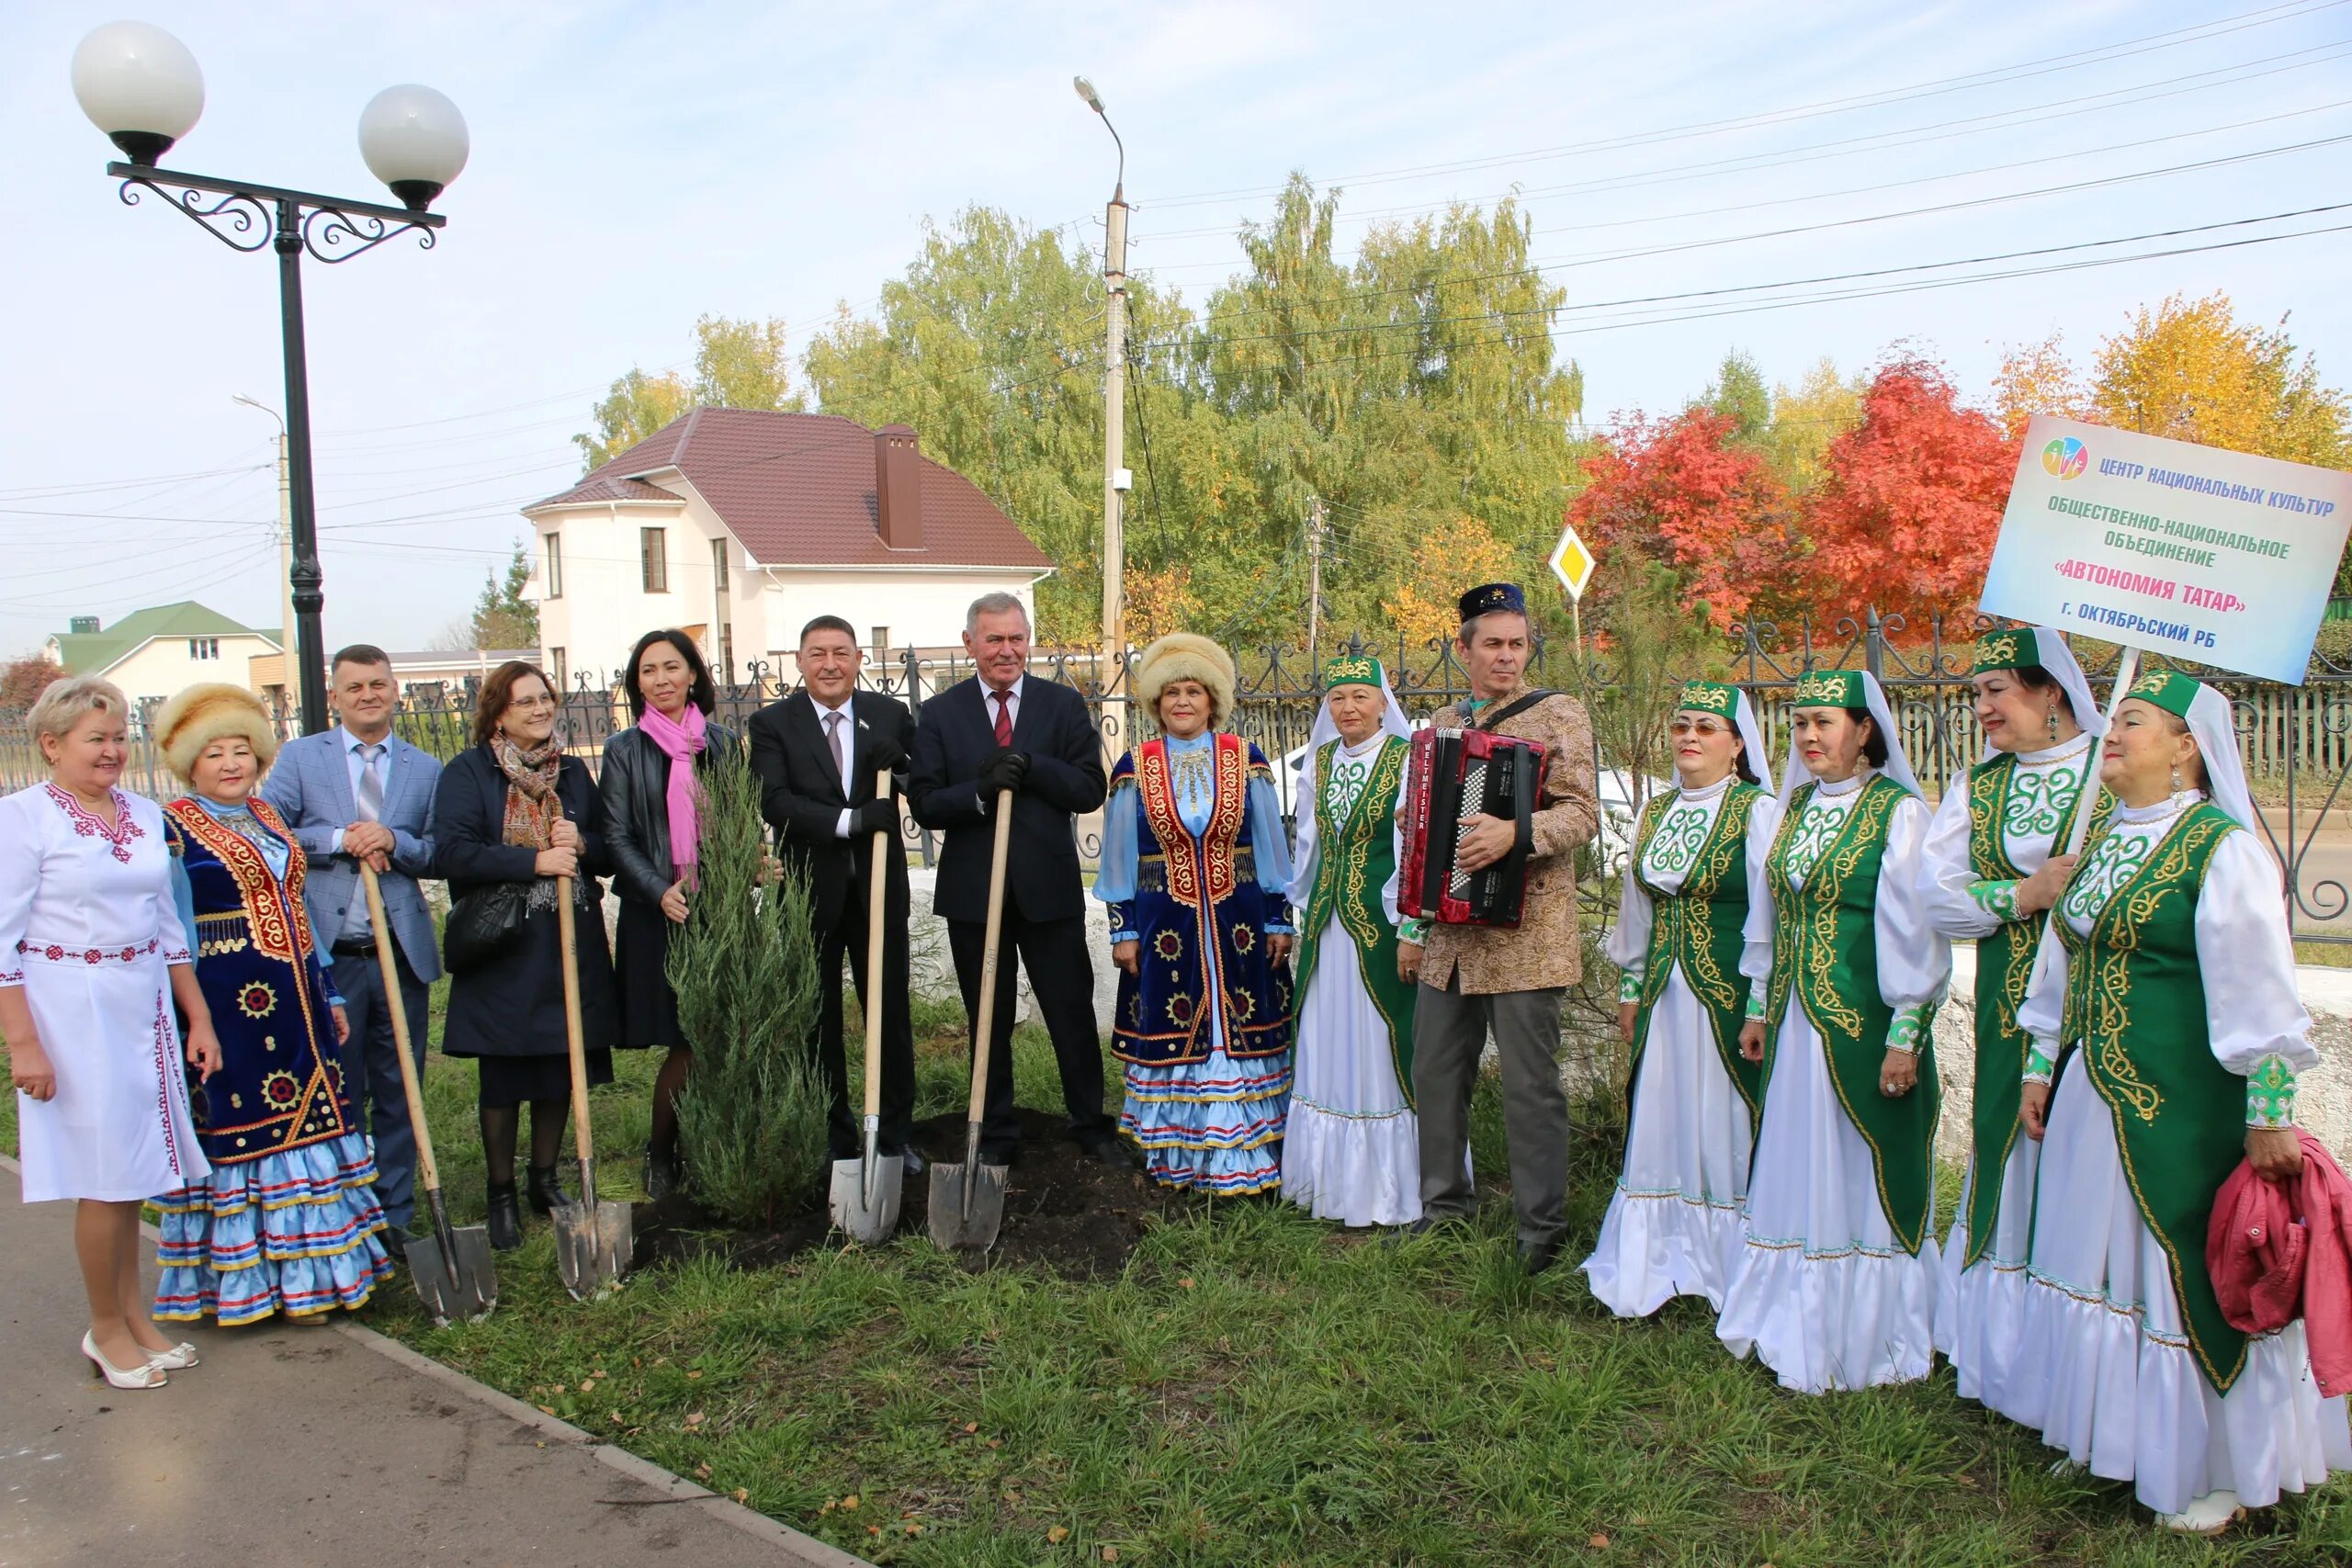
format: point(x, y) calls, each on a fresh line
point(1351, 1152)
point(1824, 1292)
point(1980, 1310)
point(1672, 1227)
point(88, 929)
point(2105, 1370)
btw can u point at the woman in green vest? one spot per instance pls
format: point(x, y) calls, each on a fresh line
point(1679, 944)
point(1351, 1152)
point(1992, 873)
point(1835, 1283)
point(2169, 1007)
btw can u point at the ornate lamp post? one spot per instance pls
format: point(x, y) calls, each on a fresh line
point(141, 87)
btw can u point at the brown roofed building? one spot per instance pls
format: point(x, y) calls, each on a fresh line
point(739, 525)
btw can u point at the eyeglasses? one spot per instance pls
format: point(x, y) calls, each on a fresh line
point(541, 700)
point(1698, 727)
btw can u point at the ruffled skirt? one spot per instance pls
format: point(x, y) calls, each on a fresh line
point(1353, 1151)
point(1823, 1292)
point(2106, 1371)
point(1673, 1224)
point(297, 1233)
point(1980, 1310)
point(1214, 1124)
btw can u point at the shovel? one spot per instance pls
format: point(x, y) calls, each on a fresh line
point(967, 1200)
point(455, 1277)
point(594, 1241)
point(864, 1201)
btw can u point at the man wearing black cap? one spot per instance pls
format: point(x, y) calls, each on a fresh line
point(1475, 979)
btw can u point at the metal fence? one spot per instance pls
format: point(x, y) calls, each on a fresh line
point(2296, 741)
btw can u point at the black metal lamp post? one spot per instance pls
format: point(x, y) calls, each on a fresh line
point(141, 87)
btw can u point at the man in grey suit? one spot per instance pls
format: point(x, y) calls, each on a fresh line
point(358, 791)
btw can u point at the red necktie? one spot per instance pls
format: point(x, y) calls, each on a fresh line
point(1004, 718)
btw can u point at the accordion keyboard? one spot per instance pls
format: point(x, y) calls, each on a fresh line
point(1474, 789)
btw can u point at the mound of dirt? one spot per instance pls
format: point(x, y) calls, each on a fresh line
point(1064, 1211)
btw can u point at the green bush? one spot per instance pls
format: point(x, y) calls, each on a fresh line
point(751, 1117)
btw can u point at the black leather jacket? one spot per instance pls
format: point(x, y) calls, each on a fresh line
point(635, 782)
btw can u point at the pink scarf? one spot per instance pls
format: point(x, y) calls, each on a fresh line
point(681, 740)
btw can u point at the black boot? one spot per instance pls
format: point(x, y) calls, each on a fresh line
point(505, 1221)
point(544, 1192)
point(660, 1175)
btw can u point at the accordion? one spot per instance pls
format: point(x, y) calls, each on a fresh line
point(1456, 774)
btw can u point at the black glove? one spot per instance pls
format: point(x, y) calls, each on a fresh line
point(875, 816)
point(1003, 771)
point(881, 753)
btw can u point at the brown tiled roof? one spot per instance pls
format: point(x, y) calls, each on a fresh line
point(797, 489)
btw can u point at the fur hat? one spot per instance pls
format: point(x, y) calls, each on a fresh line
point(212, 711)
point(1186, 656)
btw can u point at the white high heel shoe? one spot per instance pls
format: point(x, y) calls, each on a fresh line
point(178, 1359)
point(146, 1374)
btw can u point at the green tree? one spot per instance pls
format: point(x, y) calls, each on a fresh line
point(638, 406)
point(1806, 419)
point(738, 364)
point(1739, 395)
point(502, 617)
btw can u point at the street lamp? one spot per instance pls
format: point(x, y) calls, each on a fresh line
point(141, 87)
point(1116, 478)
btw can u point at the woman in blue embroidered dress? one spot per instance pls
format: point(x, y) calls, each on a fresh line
point(1194, 862)
point(288, 1220)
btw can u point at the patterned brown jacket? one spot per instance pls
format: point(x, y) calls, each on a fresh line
point(1546, 950)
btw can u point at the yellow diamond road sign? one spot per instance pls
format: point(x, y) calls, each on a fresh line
point(1572, 564)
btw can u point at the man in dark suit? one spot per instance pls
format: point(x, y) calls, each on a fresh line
point(816, 753)
point(1001, 731)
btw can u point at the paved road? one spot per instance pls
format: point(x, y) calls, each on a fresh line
point(309, 1448)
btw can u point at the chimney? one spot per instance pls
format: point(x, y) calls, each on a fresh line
point(81, 625)
point(898, 488)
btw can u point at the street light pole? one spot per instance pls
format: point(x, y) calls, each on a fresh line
point(1116, 480)
point(140, 85)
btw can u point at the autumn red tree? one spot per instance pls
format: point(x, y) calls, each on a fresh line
point(1686, 492)
point(22, 681)
point(1912, 503)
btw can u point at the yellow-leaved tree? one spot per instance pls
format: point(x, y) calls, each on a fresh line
point(1453, 555)
point(2191, 370)
point(2037, 378)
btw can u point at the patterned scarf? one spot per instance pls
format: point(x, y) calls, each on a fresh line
point(532, 806)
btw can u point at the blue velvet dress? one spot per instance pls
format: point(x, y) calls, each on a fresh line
point(1194, 862)
point(288, 1221)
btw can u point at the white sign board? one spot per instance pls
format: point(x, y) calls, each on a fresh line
point(1573, 564)
point(2209, 555)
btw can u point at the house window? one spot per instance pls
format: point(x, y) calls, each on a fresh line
point(655, 553)
point(719, 615)
point(718, 564)
point(726, 656)
point(551, 557)
point(881, 640)
point(559, 671)
point(204, 647)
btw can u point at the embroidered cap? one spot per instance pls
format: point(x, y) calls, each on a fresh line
point(2017, 649)
point(1831, 689)
point(1710, 696)
point(1492, 598)
point(2168, 689)
point(1353, 669)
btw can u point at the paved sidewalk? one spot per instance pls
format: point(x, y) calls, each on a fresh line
point(310, 1447)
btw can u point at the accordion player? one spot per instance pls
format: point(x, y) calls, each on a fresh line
point(1452, 776)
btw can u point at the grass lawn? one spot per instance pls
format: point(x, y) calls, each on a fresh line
point(1259, 1388)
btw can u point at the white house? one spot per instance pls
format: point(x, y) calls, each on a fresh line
point(154, 652)
point(739, 525)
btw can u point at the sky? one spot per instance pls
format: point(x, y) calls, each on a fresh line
point(635, 166)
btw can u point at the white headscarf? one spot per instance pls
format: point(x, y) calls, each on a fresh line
point(1898, 766)
point(2052, 654)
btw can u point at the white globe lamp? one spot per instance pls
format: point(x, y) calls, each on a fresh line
point(140, 85)
point(414, 141)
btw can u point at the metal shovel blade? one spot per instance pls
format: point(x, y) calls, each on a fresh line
point(967, 1200)
point(864, 1201)
point(594, 1244)
point(460, 1286)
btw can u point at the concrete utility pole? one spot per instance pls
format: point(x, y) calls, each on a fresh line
point(1313, 575)
point(289, 638)
point(1116, 480)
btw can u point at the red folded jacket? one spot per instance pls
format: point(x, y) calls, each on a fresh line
point(2277, 1251)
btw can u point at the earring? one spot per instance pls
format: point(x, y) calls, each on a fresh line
point(2054, 721)
point(2175, 781)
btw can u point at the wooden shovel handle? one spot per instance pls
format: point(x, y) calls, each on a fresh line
point(426, 1171)
point(567, 921)
point(877, 992)
point(986, 1020)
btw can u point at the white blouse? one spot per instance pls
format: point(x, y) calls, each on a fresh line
point(2041, 787)
point(1672, 851)
point(1914, 958)
point(2246, 957)
point(70, 884)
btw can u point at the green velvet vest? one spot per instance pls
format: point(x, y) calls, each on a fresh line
point(2004, 967)
point(1354, 858)
point(2135, 1005)
point(1825, 955)
point(1698, 930)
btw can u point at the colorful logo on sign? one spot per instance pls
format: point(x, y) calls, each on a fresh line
point(2065, 458)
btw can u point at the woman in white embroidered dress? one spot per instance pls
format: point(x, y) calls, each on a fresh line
point(92, 959)
point(1673, 1224)
point(1835, 1283)
point(2116, 1362)
point(1990, 876)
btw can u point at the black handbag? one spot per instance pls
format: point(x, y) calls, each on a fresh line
point(482, 925)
